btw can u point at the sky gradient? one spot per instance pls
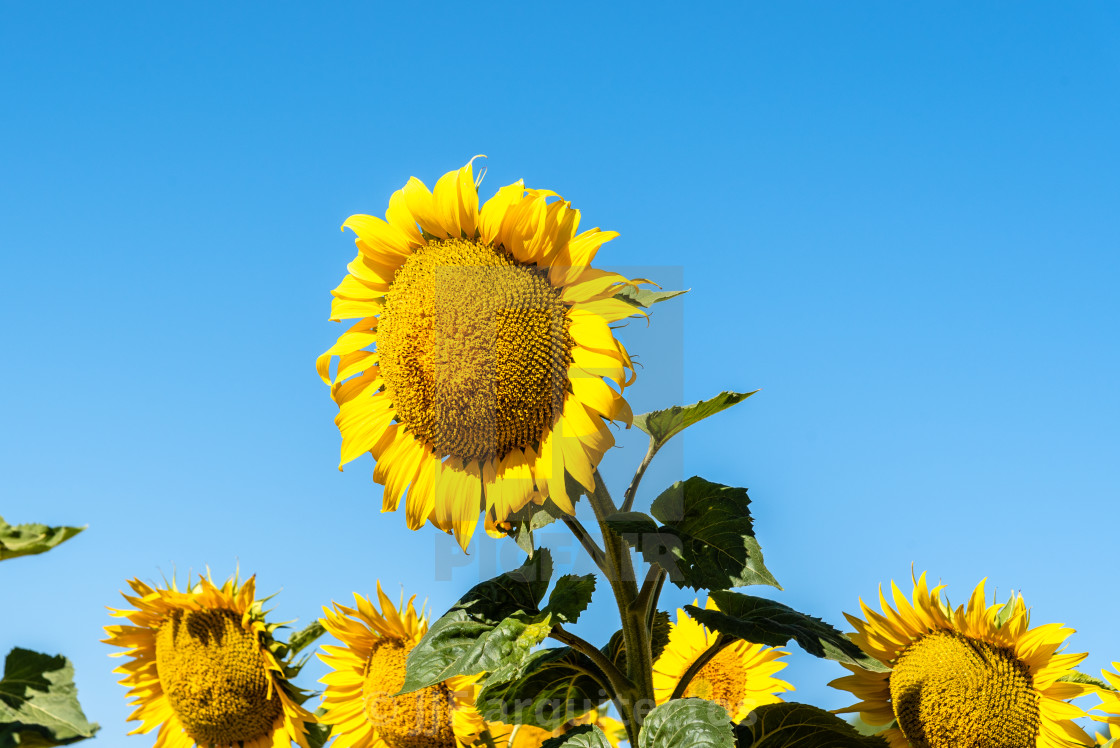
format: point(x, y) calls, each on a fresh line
point(899, 221)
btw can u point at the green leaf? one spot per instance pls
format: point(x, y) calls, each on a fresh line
point(1076, 676)
point(687, 722)
point(491, 628)
point(662, 425)
point(707, 540)
point(318, 734)
point(583, 736)
point(793, 725)
point(645, 298)
point(27, 540)
point(762, 621)
point(39, 701)
point(530, 519)
point(299, 640)
point(571, 596)
point(554, 687)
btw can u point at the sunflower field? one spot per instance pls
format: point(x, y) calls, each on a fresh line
point(755, 389)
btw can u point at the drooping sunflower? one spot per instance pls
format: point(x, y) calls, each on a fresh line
point(476, 376)
point(203, 668)
point(972, 677)
point(369, 669)
point(527, 736)
point(739, 678)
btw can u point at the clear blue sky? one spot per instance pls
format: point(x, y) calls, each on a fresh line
point(900, 221)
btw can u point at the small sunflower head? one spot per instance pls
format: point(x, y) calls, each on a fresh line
point(204, 669)
point(740, 677)
point(360, 699)
point(972, 677)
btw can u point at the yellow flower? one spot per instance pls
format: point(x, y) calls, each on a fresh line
point(365, 674)
point(476, 374)
point(527, 736)
point(739, 678)
point(1110, 704)
point(972, 677)
point(203, 669)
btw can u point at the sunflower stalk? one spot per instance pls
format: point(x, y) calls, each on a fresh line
point(698, 664)
point(639, 695)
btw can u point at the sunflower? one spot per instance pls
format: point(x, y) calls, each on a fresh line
point(1110, 704)
point(740, 677)
point(1112, 734)
point(965, 678)
point(204, 668)
point(359, 698)
point(528, 736)
point(476, 376)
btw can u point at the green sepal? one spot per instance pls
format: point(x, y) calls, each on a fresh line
point(644, 298)
point(491, 628)
point(696, 723)
point(793, 725)
point(300, 640)
point(39, 702)
point(762, 621)
point(662, 425)
point(30, 539)
point(583, 736)
point(554, 687)
point(706, 540)
point(1076, 676)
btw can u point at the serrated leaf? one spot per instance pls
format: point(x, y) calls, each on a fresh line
point(762, 621)
point(687, 723)
point(793, 725)
point(707, 540)
point(662, 425)
point(554, 687)
point(39, 701)
point(583, 736)
point(491, 628)
point(29, 539)
point(571, 596)
point(1076, 676)
point(299, 640)
point(645, 298)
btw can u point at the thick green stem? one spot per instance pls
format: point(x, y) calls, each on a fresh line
point(632, 611)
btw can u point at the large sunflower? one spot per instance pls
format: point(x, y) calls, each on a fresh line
point(368, 670)
point(475, 376)
point(203, 668)
point(972, 677)
point(739, 678)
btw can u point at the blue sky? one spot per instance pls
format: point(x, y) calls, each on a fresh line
point(899, 221)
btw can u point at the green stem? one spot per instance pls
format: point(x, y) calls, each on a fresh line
point(635, 634)
point(632, 489)
point(610, 676)
point(588, 542)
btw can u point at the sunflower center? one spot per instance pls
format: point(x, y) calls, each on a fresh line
point(952, 691)
point(474, 349)
point(723, 680)
point(415, 720)
point(214, 677)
